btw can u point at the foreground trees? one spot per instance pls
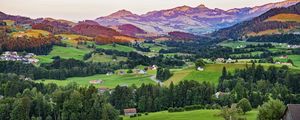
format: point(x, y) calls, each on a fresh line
point(32, 101)
point(271, 110)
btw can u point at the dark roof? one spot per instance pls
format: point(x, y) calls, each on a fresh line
point(294, 109)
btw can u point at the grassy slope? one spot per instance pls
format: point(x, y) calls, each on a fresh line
point(211, 73)
point(105, 58)
point(63, 52)
point(31, 33)
point(118, 47)
point(294, 58)
point(235, 44)
point(109, 81)
point(285, 18)
point(188, 115)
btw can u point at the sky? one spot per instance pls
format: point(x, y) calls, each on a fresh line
point(76, 10)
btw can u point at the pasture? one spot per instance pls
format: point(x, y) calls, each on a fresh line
point(109, 81)
point(63, 52)
point(188, 115)
point(118, 47)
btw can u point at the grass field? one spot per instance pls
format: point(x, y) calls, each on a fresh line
point(109, 81)
point(63, 52)
point(211, 73)
point(241, 44)
point(188, 115)
point(294, 58)
point(250, 53)
point(30, 33)
point(105, 58)
point(117, 47)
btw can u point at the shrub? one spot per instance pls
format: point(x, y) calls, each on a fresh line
point(146, 113)
point(139, 114)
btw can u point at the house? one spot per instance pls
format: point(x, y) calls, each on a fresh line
point(220, 94)
point(102, 90)
point(220, 60)
point(129, 111)
point(142, 72)
point(153, 67)
point(284, 57)
point(96, 81)
point(292, 112)
point(109, 73)
point(229, 60)
point(200, 68)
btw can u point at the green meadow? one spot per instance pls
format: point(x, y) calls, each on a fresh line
point(109, 81)
point(294, 58)
point(118, 47)
point(63, 52)
point(105, 58)
point(188, 115)
point(211, 73)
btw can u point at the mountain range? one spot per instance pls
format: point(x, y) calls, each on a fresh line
point(182, 22)
point(274, 21)
point(196, 20)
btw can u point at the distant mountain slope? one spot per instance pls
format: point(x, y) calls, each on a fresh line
point(131, 30)
point(195, 20)
point(275, 21)
point(102, 34)
point(53, 25)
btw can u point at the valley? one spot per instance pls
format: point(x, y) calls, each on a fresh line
point(182, 63)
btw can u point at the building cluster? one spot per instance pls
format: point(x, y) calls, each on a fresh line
point(29, 58)
point(293, 46)
point(223, 60)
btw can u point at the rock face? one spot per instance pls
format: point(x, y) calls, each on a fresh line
point(197, 20)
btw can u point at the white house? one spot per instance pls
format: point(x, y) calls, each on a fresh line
point(200, 68)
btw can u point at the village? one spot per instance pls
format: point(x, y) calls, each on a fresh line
point(28, 58)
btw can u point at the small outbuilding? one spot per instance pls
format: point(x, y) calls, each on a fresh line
point(130, 111)
point(292, 112)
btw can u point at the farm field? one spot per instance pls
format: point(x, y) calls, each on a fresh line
point(63, 52)
point(188, 115)
point(236, 44)
point(105, 58)
point(294, 58)
point(117, 47)
point(108, 81)
point(30, 33)
point(211, 72)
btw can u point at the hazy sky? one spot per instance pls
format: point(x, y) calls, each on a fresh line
point(90, 9)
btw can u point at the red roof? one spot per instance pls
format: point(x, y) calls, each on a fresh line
point(130, 110)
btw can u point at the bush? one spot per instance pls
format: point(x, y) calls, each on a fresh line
point(139, 114)
point(193, 107)
point(132, 116)
point(146, 113)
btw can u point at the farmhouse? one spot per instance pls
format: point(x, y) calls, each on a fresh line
point(103, 89)
point(96, 81)
point(130, 111)
point(220, 60)
point(109, 73)
point(153, 67)
point(142, 72)
point(200, 68)
point(292, 112)
point(220, 94)
point(284, 57)
point(229, 60)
